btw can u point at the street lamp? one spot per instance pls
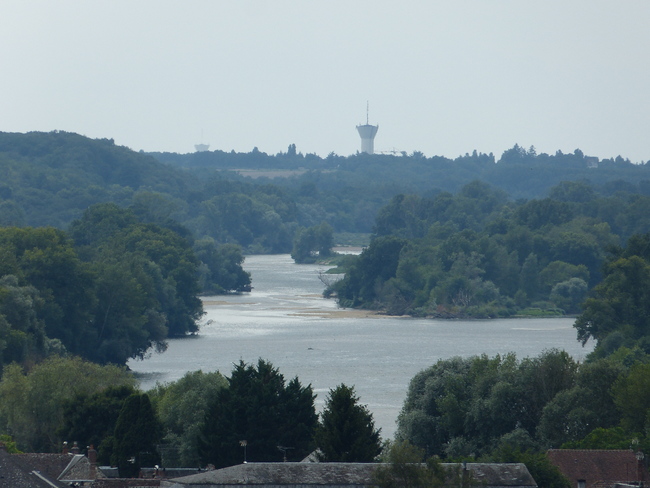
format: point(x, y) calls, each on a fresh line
point(243, 444)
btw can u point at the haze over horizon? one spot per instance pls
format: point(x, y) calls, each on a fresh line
point(443, 78)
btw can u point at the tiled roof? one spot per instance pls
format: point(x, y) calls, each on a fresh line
point(338, 474)
point(79, 469)
point(65, 467)
point(14, 474)
point(50, 465)
point(598, 466)
point(125, 483)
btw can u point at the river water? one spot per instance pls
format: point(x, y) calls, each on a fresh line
point(285, 320)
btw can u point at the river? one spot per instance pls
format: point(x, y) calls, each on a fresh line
point(285, 320)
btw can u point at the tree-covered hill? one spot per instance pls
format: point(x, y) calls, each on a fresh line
point(50, 178)
point(519, 172)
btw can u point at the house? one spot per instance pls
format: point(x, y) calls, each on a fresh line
point(49, 470)
point(335, 475)
point(600, 468)
point(13, 474)
point(43, 470)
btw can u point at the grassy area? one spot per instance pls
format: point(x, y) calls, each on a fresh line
point(351, 239)
point(533, 312)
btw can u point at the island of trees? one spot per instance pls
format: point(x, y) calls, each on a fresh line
point(478, 254)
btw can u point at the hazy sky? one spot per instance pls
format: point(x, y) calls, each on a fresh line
point(443, 78)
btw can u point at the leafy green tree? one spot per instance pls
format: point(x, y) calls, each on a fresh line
point(9, 444)
point(44, 259)
point(315, 241)
point(158, 208)
point(169, 261)
point(568, 295)
point(558, 271)
point(601, 438)
point(529, 276)
point(127, 316)
point(539, 213)
point(566, 418)
point(158, 268)
point(463, 407)
point(243, 219)
point(97, 225)
point(181, 407)
point(260, 408)
point(545, 474)
point(404, 467)
point(620, 303)
point(221, 267)
point(545, 376)
point(573, 191)
point(346, 432)
point(632, 397)
point(376, 264)
point(22, 332)
point(137, 431)
point(33, 403)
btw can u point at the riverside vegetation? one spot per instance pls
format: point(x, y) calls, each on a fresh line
point(477, 254)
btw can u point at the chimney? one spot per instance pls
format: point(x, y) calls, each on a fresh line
point(92, 457)
point(65, 448)
point(75, 448)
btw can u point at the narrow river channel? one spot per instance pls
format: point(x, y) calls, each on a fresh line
point(285, 320)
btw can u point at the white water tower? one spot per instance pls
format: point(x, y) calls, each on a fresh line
point(367, 133)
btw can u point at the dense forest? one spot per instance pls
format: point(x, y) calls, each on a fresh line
point(109, 289)
point(479, 254)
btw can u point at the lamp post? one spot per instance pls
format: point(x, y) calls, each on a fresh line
point(243, 444)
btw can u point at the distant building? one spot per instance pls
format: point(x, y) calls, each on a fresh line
point(600, 468)
point(201, 147)
point(336, 475)
point(367, 133)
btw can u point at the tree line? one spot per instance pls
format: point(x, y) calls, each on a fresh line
point(109, 289)
point(499, 409)
point(202, 419)
point(506, 409)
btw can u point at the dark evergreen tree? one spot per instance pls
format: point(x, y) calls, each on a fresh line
point(91, 419)
point(259, 408)
point(346, 432)
point(136, 433)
